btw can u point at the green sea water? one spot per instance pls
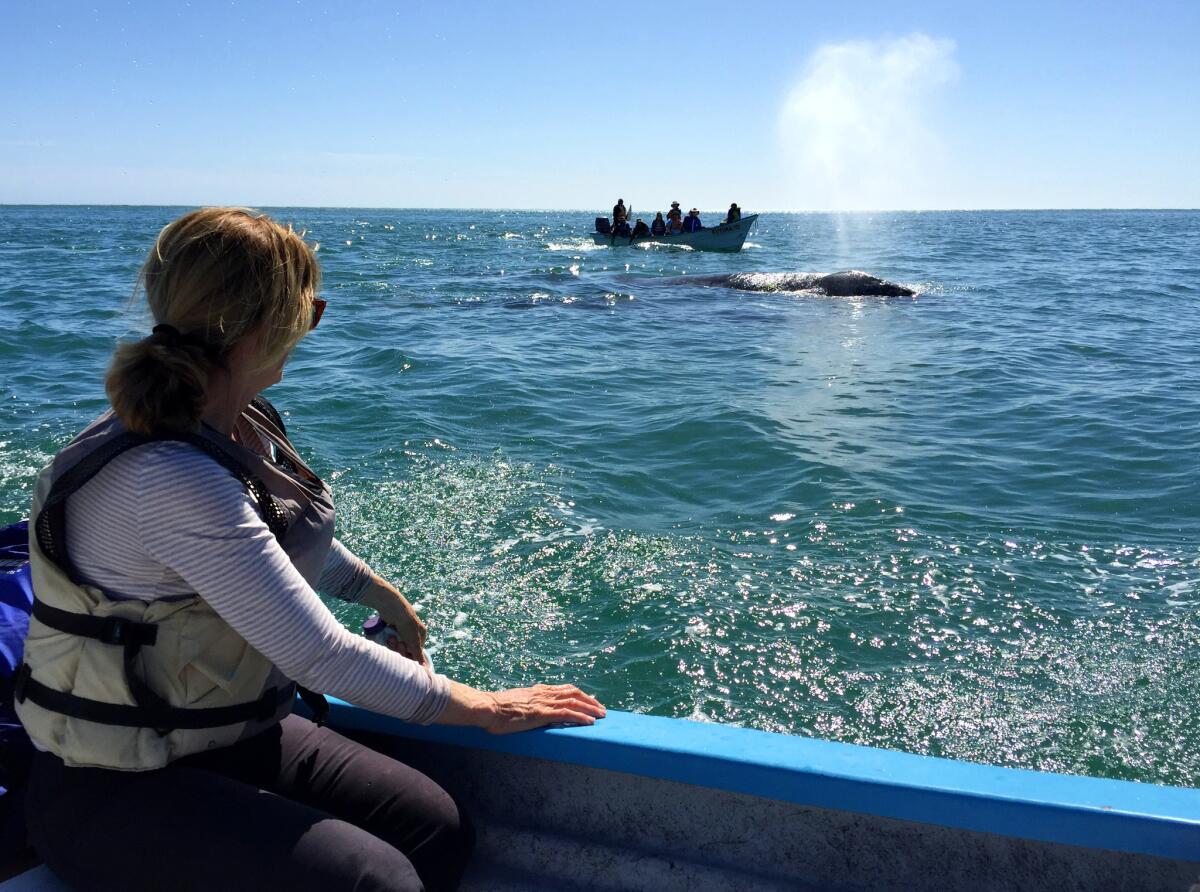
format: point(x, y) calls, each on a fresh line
point(963, 524)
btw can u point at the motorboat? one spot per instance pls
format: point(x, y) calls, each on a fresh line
point(728, 237)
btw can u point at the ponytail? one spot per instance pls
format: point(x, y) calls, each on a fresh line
point(160, 382)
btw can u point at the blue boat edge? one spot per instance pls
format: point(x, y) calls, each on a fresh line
point(1095, 813)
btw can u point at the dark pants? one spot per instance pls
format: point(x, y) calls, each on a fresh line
point(297, 808)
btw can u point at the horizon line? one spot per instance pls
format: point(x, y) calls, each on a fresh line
point(547, 210)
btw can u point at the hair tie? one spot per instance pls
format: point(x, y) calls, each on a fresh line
point(170, 336)
point(168, 333)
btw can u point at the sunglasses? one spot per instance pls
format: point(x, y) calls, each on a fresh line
point(318, 311)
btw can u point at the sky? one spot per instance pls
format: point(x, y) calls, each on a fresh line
point(775, 105)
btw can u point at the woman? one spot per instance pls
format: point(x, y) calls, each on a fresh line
point(179, 543)
point(659, 226)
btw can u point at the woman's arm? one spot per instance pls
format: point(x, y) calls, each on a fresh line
point(348, 577)
point(345, 576)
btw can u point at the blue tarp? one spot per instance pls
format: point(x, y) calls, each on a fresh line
point(16, 600)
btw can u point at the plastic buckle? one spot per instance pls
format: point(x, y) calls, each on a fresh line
point(115, 630)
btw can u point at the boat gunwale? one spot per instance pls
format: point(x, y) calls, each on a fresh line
point(1094, 813)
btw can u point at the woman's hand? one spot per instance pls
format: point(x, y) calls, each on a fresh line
point(395, 610)
point(520, 709)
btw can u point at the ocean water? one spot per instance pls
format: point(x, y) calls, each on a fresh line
point(963, 523)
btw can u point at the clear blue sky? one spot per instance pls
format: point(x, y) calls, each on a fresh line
point(519, 104)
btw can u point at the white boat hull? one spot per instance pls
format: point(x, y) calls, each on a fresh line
point(728, 237)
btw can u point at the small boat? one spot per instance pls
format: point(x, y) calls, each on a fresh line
point(643, 802)
point(727, 237)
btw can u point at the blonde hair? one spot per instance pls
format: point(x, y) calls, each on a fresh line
point(216, 276)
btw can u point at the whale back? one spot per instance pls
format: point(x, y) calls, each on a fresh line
point(850, 283)
point(855, 283)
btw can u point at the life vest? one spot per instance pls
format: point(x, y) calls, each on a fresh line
point(658, 227)
point(126, 684)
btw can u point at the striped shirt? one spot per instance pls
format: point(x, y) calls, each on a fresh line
point(164, 519)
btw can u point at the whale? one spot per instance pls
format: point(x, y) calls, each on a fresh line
point(849, 283)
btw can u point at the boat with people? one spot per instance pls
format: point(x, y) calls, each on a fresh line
point(675, 229)
point(727, 237)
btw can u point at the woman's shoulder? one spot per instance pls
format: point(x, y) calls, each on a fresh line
point(171, 469)
point(166, 488)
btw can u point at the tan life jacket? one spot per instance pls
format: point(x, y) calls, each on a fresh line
point(127, 684)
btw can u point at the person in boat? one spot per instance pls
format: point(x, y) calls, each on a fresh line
point(640, 229)
point(620, 212)
point(659, 225)
point(734, 215)
point(622, 229)
point(675, 218)
point(692, 223)
point(177, 611)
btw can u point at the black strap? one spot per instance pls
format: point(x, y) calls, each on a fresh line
point(115, 630)
point(151, 710)
point(109, 629)
point(127, 634)
point(316, 702)
point(160, 717)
